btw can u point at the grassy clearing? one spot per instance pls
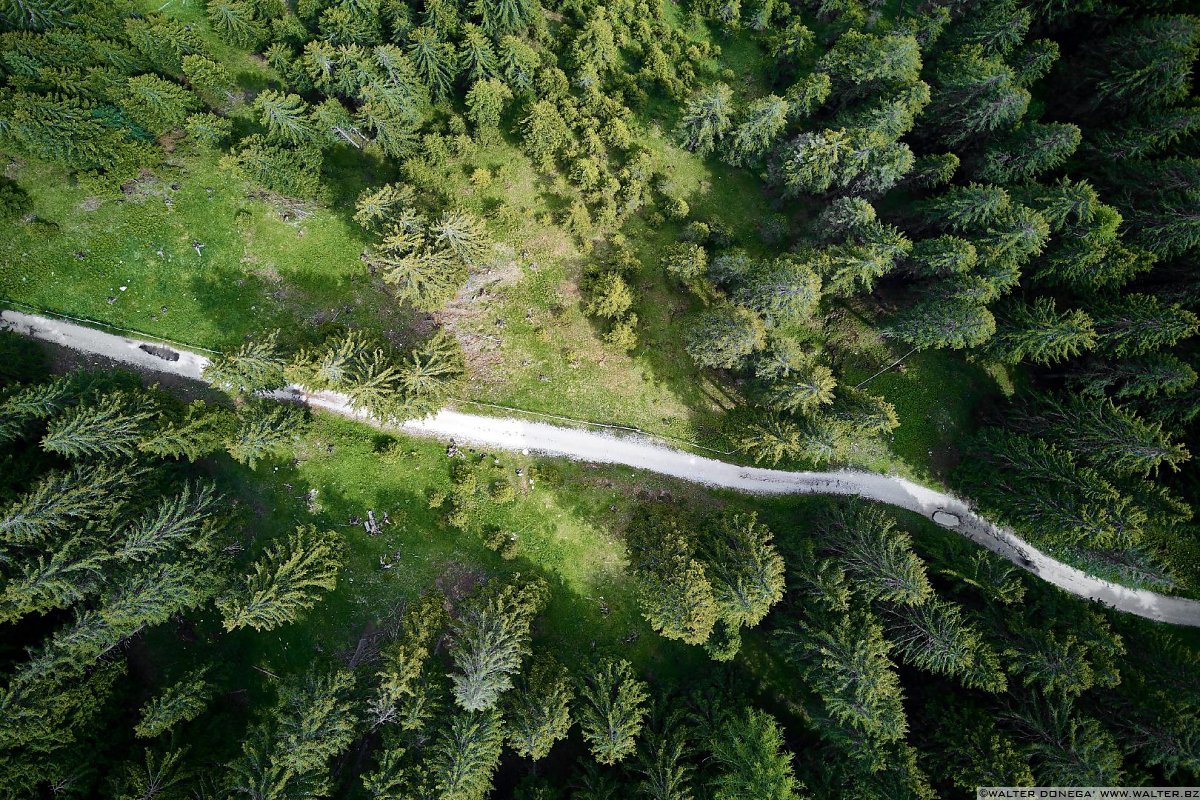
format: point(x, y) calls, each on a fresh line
point(568, 523)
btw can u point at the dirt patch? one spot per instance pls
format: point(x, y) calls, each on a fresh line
point(90, 204)
point(456, 581)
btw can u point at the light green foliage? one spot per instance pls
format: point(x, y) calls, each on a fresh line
point(723, 336)
point(751, 759)
point(1037, 332)
point(944, 323)
point(743, 566)
point(264, 428)
point(934, 636)
point(285, 581)
point(180, 702)
point(490, 639)
point(611, 710)
point(536, 712)
point(467, 754)
point(157, 105)
point(485, 105)
point(285, 117)
point(256, 366)
point(706, 119)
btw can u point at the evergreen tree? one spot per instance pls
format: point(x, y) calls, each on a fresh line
point(201, 429)
point(490, 639)
point(763, 121)
point(1068, 748)
point(180, 702)
point(974, 93)
point(485, 105)
point(743, 567)
point(157, 105)
point(661, 758)
point(286, 117)
point(969, 751)
point(706, 119)
point(263, 428)
point(506, 16)
point(433, 60)
point(1146, 62)
point(183, 519)
point(674, 593)
point(63, 500)
point(108, 428)
point(545, 133)
point(943, 323)
point(863, 59)
point(750, 759)
point(461, 234)
point(466, 755)
point(1143, 376)
point(934, 636)
point(256, 366)
point(536, 711)
point(1028, 151)
point(611, 710)
point(1037, 332)
point(723, 336)
point(237, 22)
point(783, 292)
point(876, 555)
point(284, 582)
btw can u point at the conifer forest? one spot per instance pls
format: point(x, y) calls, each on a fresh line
point(581, 400)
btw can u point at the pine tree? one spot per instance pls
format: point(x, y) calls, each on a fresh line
point(433, 60)
point(943, 323)
point(706, 119)
point(934, 636)
point(158, 775)
point(432, 372)
point(1144, 63)
point(941, 257)
point(491, 637)
point(844, 659)
point(875, 554)
point(536, 712)
point(467, 754)
point(750, 759)
point(861, 59)
point(110, 427)
point(485, 105)
point(476, 59)
point(743, 566)
point(315, 721)
point(518, 62)
point(506, 16)
point(805, 387)
point(1029, 150)
point(1037, 332)
point(157, 105)
point(974, 93)
point(969, 751)
point(376, 207)
point(461, 234)
point(1110, 438)
point(64, 500)
point(998, 27)
point(201, 430)
point(545, 134)
point(784, 292)
point(611, 710)
point(284, 582)
point(1143, 376)
point(254, 367)
point(1068, 748)
point(661, 757)
point(236, 21)
point(180, 702)
point(595, 48)
point(183, 519)
point(207, 78)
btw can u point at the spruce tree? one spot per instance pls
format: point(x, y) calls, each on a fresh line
point(284, 582)
point(762, 122)
point(286, 117)
point(263, 428)
point(674, 592)
point(1037, 332)
point(180, 702)
point(110, 427)
point(611, 710)
point(745, 570)
point(254, 367)
point(878, 557)
point(723, 336)
point(751, 760)
point(466, 755)
point(935, 636)
point(491, 637)
point(536, 712)
point(706, 119)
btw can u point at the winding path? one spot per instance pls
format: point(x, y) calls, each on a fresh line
point(641, 453)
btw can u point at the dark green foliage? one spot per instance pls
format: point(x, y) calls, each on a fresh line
point(256, 366)
point(109, 428)
point(264, 427)
point(879, 558)
point(724, 336)
point(14, 201)
point(1037, 332)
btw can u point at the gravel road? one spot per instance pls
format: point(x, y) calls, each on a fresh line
point(641, 453)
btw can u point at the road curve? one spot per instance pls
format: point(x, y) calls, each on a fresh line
point(641, 453)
